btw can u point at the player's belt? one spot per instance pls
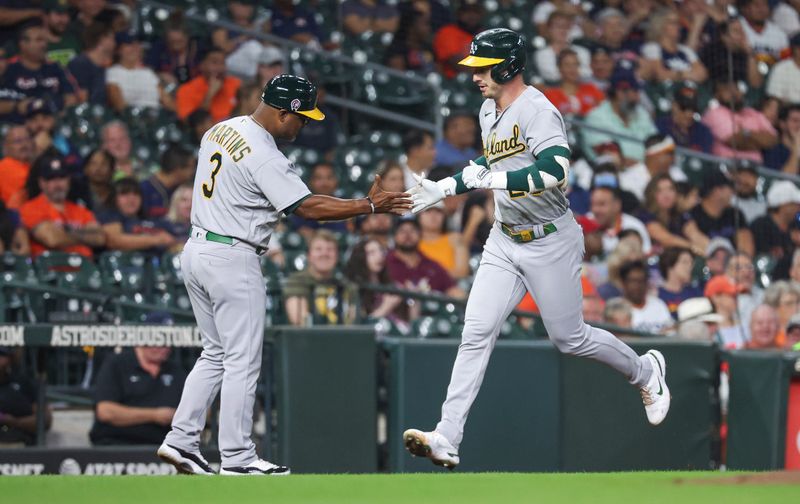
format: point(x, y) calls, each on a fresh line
point(210, 236)
point(225, 240)
point(526, 235)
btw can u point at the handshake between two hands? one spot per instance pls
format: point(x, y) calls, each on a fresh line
point(427, 192)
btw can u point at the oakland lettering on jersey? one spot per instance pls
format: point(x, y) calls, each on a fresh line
point(504, 147)
point(230, 140)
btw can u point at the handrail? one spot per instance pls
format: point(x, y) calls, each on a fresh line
point(93, 297)
point(762, 170)
point(388, 289)
point(435, 127)
point(442, 298)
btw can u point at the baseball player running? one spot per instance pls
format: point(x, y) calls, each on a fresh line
point(243, 185)
point(535, 244)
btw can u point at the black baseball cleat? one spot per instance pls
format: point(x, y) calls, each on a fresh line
point(185, 462)
point(259, 467)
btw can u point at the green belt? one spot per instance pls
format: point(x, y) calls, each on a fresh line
point(227, 240)
point(527, 235)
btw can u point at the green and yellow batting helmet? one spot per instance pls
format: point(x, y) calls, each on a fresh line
point(502, 49)
point(292, 93)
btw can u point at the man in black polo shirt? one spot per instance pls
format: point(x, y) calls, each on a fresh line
point(772, 231)
point(17, 405)
point(31, 76)
point(715, 216)
point(136, 394)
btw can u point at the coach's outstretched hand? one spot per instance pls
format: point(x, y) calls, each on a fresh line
point(388, 202)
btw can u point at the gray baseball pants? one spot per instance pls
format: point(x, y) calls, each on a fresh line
point(228, 296)
point(550, 268)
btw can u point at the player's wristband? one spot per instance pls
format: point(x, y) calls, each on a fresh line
point(371, 204)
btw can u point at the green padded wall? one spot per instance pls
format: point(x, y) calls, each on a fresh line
point(325, 382)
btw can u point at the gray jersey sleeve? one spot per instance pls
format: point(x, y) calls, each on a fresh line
point(543, 130)
point(278, 179)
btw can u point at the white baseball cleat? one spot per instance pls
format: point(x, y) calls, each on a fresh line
point(432, 445)
point(184, 461)
point(258, 467)
point(655, 395)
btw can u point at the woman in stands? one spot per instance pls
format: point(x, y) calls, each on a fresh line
point(179, 214)
point(93, 187)
point(675, 265)
point(392, 177)
point(125, 227)
point(667, 226)
point(367, 265)
point(664, 58)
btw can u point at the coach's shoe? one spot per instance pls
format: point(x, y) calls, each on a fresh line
point(185, 462)
point(432, 445)
point(655, 395)
point(259, 467)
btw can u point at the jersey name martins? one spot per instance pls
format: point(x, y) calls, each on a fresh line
point(230, 140)
point(498, 149)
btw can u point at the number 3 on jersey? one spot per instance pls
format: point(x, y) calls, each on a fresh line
point(208, 189)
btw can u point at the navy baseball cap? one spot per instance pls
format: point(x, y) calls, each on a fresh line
point(4, 350)
point(50, 167)
point(40, 106)
point(623, 79)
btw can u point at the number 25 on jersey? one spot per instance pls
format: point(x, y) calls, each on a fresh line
point(208, 189)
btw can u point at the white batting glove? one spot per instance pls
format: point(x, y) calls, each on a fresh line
point(427, 192)
point(476, 176)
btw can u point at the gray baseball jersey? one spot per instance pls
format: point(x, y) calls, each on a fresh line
point(510, 142)
point(243, 182)
point(242, 185)
point(548, 267)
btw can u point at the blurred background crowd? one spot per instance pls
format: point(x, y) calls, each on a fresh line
point(684, 123)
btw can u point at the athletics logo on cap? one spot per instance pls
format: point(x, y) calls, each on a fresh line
point(295, 105)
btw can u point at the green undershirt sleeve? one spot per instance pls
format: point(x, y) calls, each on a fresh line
point(545, 163)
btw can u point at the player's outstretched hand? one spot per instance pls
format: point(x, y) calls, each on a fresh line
point(476, 176)
point(388, 202)
point(425, 194)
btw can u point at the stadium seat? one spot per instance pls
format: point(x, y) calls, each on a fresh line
point(764, 265)
point(126, 272)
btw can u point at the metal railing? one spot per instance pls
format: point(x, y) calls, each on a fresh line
point(341, 101)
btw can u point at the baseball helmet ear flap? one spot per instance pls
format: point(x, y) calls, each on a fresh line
point(505, 71)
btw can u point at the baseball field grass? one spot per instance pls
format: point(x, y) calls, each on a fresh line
point(458, 488)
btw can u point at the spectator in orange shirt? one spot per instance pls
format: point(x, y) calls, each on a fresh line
point(55, 223)
point(573, 97)
point(451, 43)
point(212, 90)
point(437, 244)
point(14, 167)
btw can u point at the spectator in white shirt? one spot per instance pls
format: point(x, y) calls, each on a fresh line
point(785, 75)
point(606, 209)
point(131, 84)
point(766, 39)
point(649, 313)
point(787, 16)
point(559, 24)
